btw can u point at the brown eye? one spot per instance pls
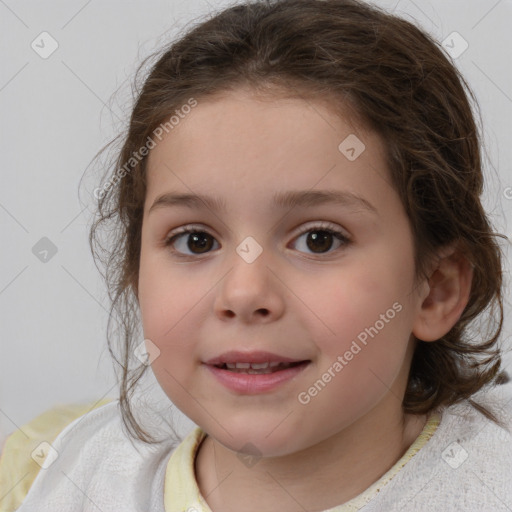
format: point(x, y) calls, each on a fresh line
point(319, 240)
point(200, 241)
point(196, 242)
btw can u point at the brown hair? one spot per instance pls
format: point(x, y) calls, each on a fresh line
point(401, 84)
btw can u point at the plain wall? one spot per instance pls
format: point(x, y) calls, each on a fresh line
point(57, 112)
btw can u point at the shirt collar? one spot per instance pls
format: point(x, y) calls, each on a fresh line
point(181, 492)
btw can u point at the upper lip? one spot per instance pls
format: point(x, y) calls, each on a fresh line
point(235, 356)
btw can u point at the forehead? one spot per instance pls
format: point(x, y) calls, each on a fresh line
point(247, 146)
point(258, 123)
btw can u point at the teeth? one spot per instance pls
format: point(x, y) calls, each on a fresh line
point(253, 368)
point(258, 366)
point(246, 366)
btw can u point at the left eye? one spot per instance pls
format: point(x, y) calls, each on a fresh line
point(319, 240)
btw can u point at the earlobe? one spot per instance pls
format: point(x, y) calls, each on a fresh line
point(449, 289)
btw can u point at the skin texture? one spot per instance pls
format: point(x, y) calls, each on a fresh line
point(291, 300)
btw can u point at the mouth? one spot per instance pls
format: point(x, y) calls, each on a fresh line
point(259, 368)
point(252, 377)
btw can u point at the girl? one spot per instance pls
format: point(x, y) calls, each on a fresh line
point(297, 219)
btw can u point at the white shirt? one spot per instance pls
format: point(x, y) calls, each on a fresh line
point(465, 466)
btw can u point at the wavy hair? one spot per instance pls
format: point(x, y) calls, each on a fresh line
point(398, 81)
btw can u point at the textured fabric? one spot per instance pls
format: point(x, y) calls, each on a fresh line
point(465, 465)
point(23, 454)
point(182, 492)
point(99, 467)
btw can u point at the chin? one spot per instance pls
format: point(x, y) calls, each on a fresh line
point(259, 439)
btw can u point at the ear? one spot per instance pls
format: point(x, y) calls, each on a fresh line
point(449, 287)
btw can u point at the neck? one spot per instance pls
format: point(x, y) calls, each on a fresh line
point(319, 477)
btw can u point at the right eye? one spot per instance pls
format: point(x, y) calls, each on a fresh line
point(196, 239)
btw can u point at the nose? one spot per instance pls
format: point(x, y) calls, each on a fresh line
point(250, 292)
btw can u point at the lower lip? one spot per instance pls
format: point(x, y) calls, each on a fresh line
point(252, 384)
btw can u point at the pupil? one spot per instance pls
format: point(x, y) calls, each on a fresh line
point(320, 241)
point(200, 239)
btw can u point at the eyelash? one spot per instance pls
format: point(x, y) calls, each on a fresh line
point(321, 226)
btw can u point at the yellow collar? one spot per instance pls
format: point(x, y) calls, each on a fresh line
point(181, 493)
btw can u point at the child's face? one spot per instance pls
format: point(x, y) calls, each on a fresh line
point(305, 297)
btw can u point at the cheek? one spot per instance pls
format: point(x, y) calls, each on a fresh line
point(343, 306)
point(168, 321)
point(170, 325)
point(364, 316)
point(364, 361)
point(164, 297)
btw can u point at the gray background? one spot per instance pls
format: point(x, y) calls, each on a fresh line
point(56, 113)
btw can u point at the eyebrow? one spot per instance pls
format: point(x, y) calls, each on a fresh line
point(284, 200)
